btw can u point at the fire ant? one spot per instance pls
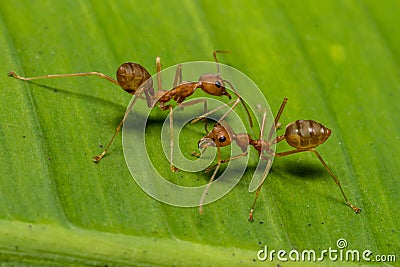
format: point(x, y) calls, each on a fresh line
point(136, 80)
point(303, 135)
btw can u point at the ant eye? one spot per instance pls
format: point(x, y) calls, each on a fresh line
point(218, 84)
point(222, 139)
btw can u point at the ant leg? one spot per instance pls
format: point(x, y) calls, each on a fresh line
point(230, 110)
point(290, 152)
point(276, 122)
point(259, 188)
point(194, 102)
point(171, 136)
point(178, 76)
point(241, 100)
point(96, 159)
point(98, 74)
point(205, 119)
point(205, 115)
point(198, 155)
point(149, 91)
point(357, 210)
point(263, 125)
point(278, 139)
point(158, 70)
point(209, 183)
point(227, 160)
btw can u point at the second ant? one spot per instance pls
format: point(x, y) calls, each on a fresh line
point(302, 135)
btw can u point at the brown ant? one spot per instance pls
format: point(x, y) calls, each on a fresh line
point(132, 78)
point(303, 135)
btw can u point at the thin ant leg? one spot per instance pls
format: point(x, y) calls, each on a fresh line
point(290, 152)
point(266, 168)
point(259, 188)
point(205, 115)
point(264, 118)
point(241, 100)
point(235, 157)
point(194, 102)
point(178, 76)
point(209, 183)
point(271, 131)
point(198, 155)
point(96, 159)
point(171, 136)
point(171, 127)
point(205, 119)
point(150, 89)
point(227, 160)
point(235, 103)
point(278, 116)
point(177, 80)
point(158, 70)
point(229, 111)
point(93, 73)
point(357, 210)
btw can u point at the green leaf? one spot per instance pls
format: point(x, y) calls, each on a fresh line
point(336, 61)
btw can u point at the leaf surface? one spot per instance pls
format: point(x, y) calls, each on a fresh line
point(336, 61)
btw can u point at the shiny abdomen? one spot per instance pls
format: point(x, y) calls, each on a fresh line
point(306, 134)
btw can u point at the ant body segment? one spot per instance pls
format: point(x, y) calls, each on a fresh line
point(302, 135)
point(132, 78)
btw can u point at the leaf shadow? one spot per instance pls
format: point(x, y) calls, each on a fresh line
point(308, 170)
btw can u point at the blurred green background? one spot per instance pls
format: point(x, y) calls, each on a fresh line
point(336, 61)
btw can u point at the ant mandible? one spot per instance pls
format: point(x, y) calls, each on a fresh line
point(132, 78)
point(303, 135)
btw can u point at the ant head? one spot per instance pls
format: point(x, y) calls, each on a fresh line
point(219, 136)
point(131, 76)
point(213, 84)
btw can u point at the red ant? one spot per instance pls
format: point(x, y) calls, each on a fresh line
point(132, 78)
point(303, 135)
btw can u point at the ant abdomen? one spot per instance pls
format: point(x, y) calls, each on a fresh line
point(304, 134)
point(131, 76)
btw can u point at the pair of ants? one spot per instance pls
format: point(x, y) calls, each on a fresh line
point(302, 135)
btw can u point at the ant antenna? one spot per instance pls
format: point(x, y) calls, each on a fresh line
point(241, 100)
point(215, 57)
